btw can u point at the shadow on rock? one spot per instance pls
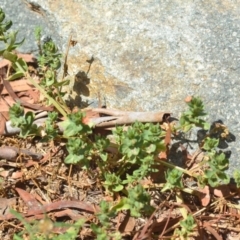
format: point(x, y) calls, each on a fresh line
point(80, 88)
point(182, 145)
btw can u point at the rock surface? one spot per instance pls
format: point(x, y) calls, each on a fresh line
point(147, 55)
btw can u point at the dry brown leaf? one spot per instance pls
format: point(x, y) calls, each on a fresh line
point(73, 214)
point(146, 182)
point(5, 103)
point(28, 199)
point(16, 175)
point(33, 94)
point(168, 138)
point(23, 103)
point(205, 196)
point(128, 224)
point(6, 204)
point(162, 156)
point(8, 153)
point(221, 191)
point(2, 123)
point(18, 86)
point(89, 113)
point(4, 174)
point(28, 58)
point(108, 198)
point(37, 197)
point(35, 208)
point(25, 98)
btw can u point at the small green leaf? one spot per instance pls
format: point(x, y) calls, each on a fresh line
point(236, 175)
point(16, 111)
point(151, 148)
point(63, 83)
point(210, 143)
point(2, 15)
point(10, 56)
point(15, 76)
point(117, 188)
point(7, 25)
point(73, 159)
point(187, 225)
point(104, 156)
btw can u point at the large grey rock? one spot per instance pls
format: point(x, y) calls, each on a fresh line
point(25, 20)
point(150, 54)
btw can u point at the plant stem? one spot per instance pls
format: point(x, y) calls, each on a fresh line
point(51, 100)
point(176, 167)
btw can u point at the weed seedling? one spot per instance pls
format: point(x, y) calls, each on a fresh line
point(23, 121)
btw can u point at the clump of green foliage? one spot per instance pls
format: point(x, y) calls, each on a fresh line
point(136, 148)
point(49, 63)
point(23, 121)
point(187, 227)
point(194, 116)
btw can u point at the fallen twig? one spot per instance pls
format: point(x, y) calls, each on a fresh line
point(11, 153)
point(117, 118)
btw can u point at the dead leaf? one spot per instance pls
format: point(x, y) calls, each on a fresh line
point(212, 231)
point(28, 199)
point(5, 103)
point(221, 191)
point(23, 103)
point(146, 182)
point(18, 86)
point(168, 138)
point(4, 173)
point(6, 204)
point(3, 121)
point(8, 153)
point(162, 156)
point(33, 94)
point(73, 214)
point(28, 58)
point(89, 113)
point(205, 196)
point(128, 224)
point(16, 175)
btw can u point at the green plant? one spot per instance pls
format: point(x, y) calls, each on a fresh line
point(51, 130)
point(173, 180)
point(137, 202)
point(104, 216)
point(139, 146)
point(236, 175)
point(49, 62)
point(23, 121)
point(50, 57)
point(193, 117)
point(79, 145)
point(112, 183)
point(119, 165)
point(187, 226)
point(216, 163)
point(4, 25)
